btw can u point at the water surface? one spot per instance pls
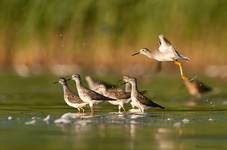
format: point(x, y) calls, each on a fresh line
point(26, 102)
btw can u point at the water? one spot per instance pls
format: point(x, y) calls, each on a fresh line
point(25, 104)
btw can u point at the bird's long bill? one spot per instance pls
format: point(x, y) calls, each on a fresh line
point(68, 79)
point(55, 82)
point(136, 53)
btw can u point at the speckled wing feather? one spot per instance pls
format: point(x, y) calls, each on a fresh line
point(146, 101)
point(119, 94)
point(96, 96)
point(73, 98)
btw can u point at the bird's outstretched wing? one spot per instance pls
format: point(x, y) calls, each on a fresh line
point(165, 45)
point(146, 101)
point(166, 41)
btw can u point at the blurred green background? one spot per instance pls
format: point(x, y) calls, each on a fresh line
point(99, 34)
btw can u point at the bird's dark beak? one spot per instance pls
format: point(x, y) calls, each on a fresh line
point(136, 53)
point(56, 82)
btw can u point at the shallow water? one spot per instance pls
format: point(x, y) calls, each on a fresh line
point(25, 104)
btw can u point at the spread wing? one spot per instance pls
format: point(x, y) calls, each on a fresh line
point(146, 101)
point(166, 49)
point(119, 94)
point(96, 96)
point(165, 45)
point(165, 40)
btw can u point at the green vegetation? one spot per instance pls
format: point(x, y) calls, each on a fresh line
point(48, 32)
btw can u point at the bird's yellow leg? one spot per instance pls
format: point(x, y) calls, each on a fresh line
point(181, 70)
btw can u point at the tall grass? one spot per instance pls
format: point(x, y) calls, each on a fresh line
point(55, 31)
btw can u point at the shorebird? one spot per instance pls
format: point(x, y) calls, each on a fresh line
point(165, 52)
point(95, 85)
point(87, 95)
point(70, 98)
point(138, 99)
point(196, 87)
point(121, 97)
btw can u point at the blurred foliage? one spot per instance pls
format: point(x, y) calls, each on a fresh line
point(91, 24)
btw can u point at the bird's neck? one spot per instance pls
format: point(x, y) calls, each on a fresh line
point(149, 54)
point(66, 89)
point(90, 83)
point(134, 89)
point(78, 84)
point(127, 87)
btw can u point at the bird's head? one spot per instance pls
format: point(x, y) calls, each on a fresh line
point(62, 81)
point(76, 77)
point(128, 79)
point(143, 51)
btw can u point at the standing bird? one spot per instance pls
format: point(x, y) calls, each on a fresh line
point(165, 52)
point(95, 85)
point(196, 87)
point(138, 99)
point(120, 95)
point(87, 95)
point(70, 98)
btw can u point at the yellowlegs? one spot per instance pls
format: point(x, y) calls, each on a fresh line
point(165, 52)
point(70, 98)
point(196, 87)
point(87, 95)
point(138, 99)
point(95, 85)
point(121, 96)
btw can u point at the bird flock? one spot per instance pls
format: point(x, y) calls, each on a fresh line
point(103, 92)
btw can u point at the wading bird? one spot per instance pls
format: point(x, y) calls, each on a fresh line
point(87, 95)
point(70, 98)
point(138, 99)
point(121, 96)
